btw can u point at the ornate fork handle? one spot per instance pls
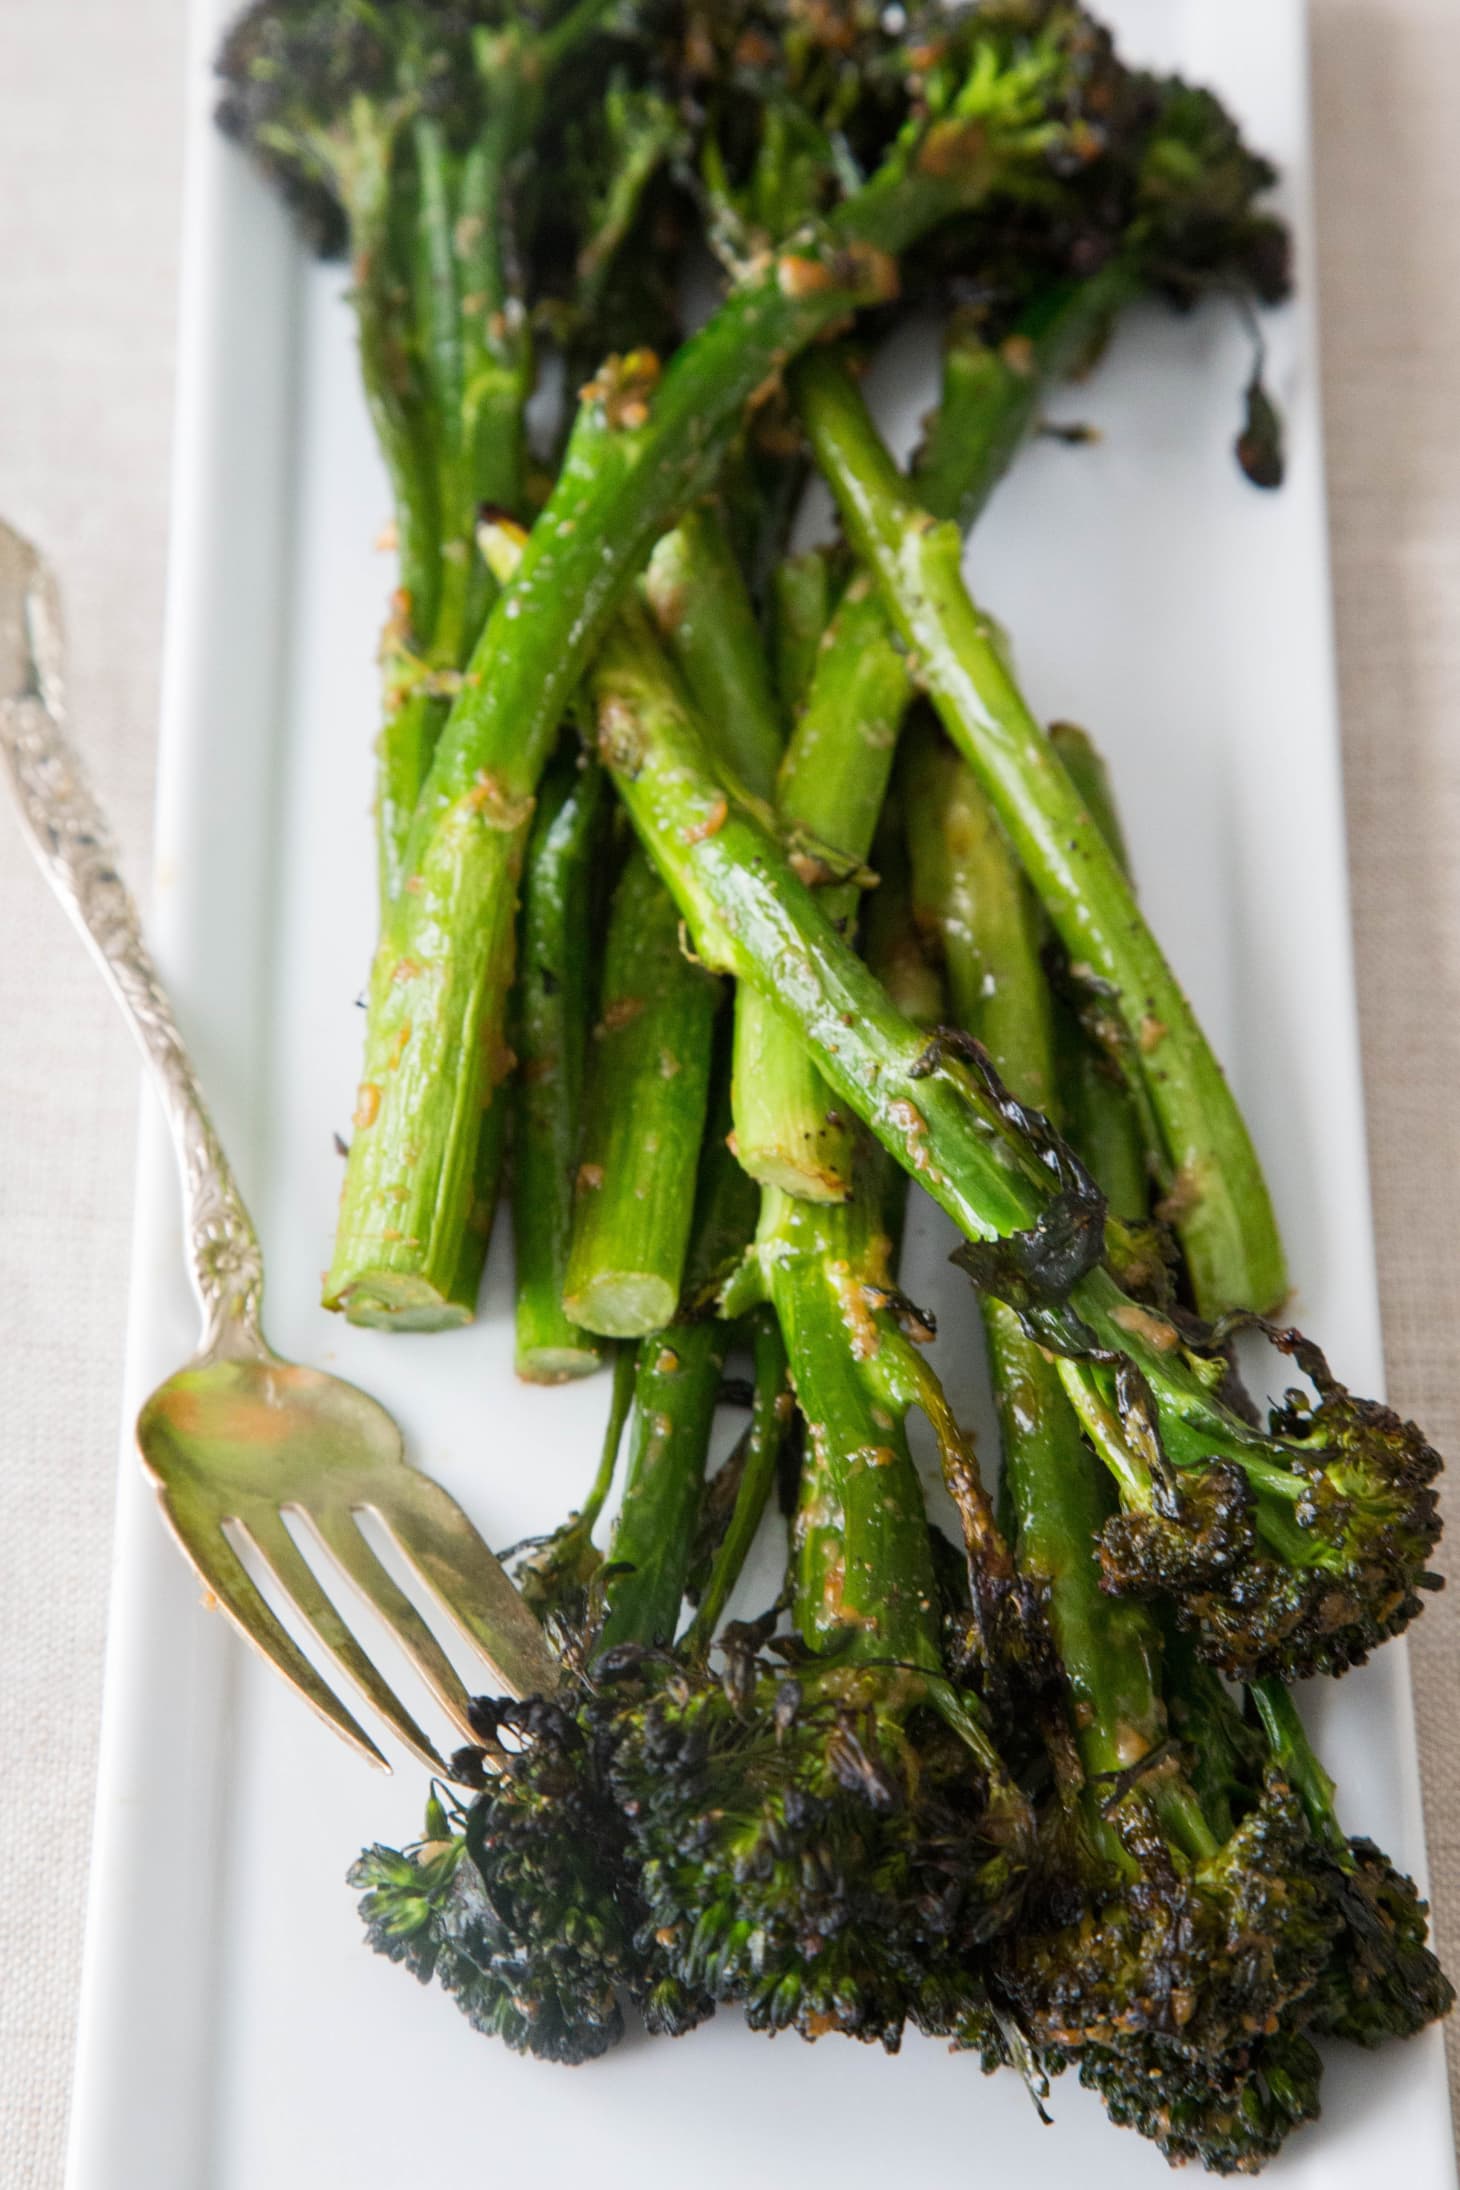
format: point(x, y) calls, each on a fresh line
point(73, 844)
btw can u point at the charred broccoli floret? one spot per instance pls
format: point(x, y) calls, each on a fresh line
point(548, 1848)
point(1382, 1979)
point(1198, 1948)
point(488, 1935)
point(1292, 1552)
point(1231, 2116)
point(520, 1906)
point(819, 1847)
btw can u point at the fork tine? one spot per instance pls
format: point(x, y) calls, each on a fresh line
point(294, 1574)
point(338, 1531)
point(215, 1560)
point(472, 1585)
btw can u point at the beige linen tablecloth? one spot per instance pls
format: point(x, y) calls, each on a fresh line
point(90, 160)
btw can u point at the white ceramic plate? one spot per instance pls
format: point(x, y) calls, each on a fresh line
point(235, 2033)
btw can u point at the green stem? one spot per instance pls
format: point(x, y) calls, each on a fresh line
point(496, 336)
point(892, 947)
point(864, 1583)
point(914, 985)
point(1086, 767)
point(991, 394)
point(553, 1007)
point(969, 896)
point(557, 1575)
point(699, 602)
point(476, 344)
point(1101, 1123)
point(726, 1203)
point(1109, 1648)
point(1287, 1737)
point(770, 1417)
point(393, 393)
point(831, 789)
point(676, 1385)
point(431, 1074)
point(405, 432)
point(676, 1391)
point(864, 1590)
point(643, 1118)
point(625, 1371)
point(413, 714)
point(802, 597)
point(1113, 1123)
point(438, 307)
point(1226, 1220)
point(444, 964)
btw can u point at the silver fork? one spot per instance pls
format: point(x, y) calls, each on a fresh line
point(240, 1439)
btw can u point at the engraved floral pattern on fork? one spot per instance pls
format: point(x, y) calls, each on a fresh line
point(73, 842)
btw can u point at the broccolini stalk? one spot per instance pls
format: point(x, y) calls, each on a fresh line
point(770, 1418)
point(972, 903)
point(677, 1388)
point(666, 1385)
point(1220, 1204)
point(788, 1128)
point(555, 1573)
point(643, 1118)
point(750, 915)
point(1003, 103)
point(1297, 1547)
point(851, 1343)
point(1086, 768)
point(676, 1392)
point(802, 599)
point(1101, 1123)
point(704, 614)
point(1111, 1119)
point(478, 362)
point(989, 397)
point(893, 948)
point(553, 1007)
point(971, 899)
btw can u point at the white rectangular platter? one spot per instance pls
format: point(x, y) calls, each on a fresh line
point(235, 2033)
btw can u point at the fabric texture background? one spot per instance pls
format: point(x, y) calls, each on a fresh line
point(90, 167)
